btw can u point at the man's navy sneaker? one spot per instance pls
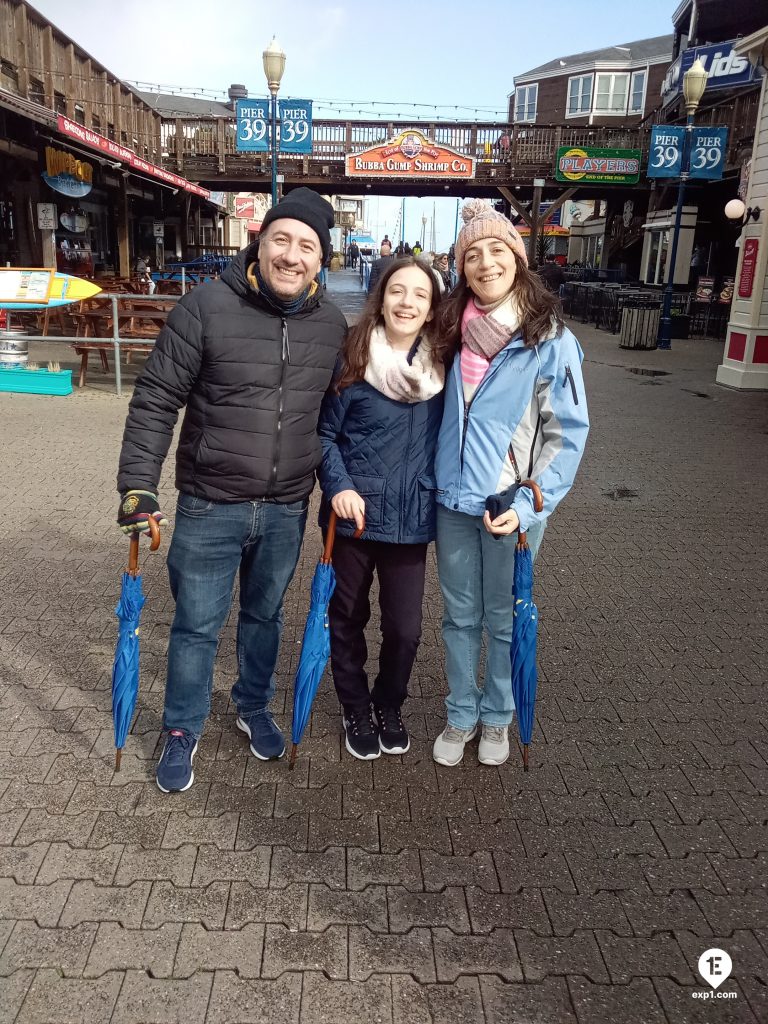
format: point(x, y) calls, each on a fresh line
point(174, 770)
point(266, 739)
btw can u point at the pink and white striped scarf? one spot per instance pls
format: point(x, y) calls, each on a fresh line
point(485, 331)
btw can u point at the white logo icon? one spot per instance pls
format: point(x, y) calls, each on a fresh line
point(715, 966)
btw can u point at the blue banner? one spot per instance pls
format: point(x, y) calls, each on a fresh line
point(296, 126)
point(252, 126)
point(708, 150)
point(665, 156)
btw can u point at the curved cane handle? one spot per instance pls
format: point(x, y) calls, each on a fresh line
point(538, 506)
point(133, 551)
point(330, 537)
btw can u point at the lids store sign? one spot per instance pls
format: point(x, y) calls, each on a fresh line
point(66, 174)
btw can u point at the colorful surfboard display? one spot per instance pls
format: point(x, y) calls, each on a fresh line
point(41, 288)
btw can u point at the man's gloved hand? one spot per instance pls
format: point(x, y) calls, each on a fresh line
point(135, 509)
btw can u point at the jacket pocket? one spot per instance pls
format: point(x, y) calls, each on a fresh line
point(371, 490)
point(427, 499)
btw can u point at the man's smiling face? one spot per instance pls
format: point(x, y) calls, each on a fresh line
point(289, 257)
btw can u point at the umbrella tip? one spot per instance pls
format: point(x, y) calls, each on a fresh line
point(118, 759)
point(292, 758)
point(525, 757)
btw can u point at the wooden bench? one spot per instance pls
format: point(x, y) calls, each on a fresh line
point(84, 348)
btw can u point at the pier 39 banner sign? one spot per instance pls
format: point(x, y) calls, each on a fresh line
point(409, 155)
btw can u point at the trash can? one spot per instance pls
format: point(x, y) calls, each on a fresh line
point(639, 325)
point(681, 325)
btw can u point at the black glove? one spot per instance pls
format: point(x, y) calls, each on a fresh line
point(498, 504)
point(135, 509)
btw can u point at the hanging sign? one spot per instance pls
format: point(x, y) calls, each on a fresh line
point(409, 155)
point(598, 166)
point(725, 70)
point(252, 126)
point(708, 149)
point(748, 267)
point(295, 126)
point(665, 156)
point(66, 174)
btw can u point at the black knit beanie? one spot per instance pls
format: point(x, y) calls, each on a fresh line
point(307, 206)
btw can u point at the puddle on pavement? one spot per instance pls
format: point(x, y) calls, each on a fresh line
point(621, 494)
point(643, 372)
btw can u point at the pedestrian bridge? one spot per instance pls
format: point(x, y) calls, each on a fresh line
point(205, 150)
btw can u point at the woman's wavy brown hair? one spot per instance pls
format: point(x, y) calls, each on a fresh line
point(354, 355)
point(540, 309)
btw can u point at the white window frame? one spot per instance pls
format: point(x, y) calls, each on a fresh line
point(635, 75)
point(580, 78)
point(613, 75)
point(524, 90)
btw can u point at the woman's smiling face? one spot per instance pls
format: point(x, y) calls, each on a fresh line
point(406, 305)
point(490, 268)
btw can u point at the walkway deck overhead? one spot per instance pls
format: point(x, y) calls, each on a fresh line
point(205, 149)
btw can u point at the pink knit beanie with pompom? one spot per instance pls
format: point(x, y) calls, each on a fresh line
point(482, 221)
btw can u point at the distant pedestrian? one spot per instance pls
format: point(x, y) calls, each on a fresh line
point(441, 271)
point(354, 254)
point(385, 241)
point(417, 249)
point(378, 430)
point(380, 265)
point(407, 249)
point(400, 250)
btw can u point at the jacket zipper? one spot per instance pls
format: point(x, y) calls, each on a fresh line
point(402, 484)
point(569, 380)
point(285, 357)
point(490, 374)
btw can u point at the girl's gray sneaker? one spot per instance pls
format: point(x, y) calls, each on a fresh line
point(449, 745)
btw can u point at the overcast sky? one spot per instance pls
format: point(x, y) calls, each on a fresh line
point(353, 59)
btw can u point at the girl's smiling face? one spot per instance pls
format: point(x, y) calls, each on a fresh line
point(406, 305)
point(490, 268)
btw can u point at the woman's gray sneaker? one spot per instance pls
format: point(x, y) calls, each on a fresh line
point(449, 745)
point(494, 745)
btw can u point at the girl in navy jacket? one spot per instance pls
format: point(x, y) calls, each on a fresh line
point(378, 429)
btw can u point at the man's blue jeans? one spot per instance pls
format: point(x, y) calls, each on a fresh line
point(476, 572)
point(212, 541)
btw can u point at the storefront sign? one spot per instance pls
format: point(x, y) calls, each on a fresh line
point(295, 126)
point(748, 267)
point(252, 126)
point(409, 155)
point(22, 284)
point(66, 174)
point(125, 156)
point(245, 206)
point(598, 166)
point(665, 156)
point(725, 69)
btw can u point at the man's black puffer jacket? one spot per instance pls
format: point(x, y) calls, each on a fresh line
point(253, 382)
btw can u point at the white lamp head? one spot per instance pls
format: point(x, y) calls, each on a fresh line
point(694, 84)
point(734, 209)
point(273, 59)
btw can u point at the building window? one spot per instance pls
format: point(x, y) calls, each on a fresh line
point(9, 76)
point(637, 93)
point(79, 114)
point(525, 102)
point(579, 95)
point(59, 103)
point(36, 91)
point(611, 93)
point(110, 131)
point(124, 138)
point(96, 122)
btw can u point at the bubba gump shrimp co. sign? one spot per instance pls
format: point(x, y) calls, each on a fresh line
point(409, 155)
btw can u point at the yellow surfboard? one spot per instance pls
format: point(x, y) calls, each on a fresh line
point(41, 288)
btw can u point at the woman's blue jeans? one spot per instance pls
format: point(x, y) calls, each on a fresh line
point(476, 572)
point(212, 542)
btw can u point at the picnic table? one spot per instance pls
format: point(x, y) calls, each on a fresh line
point(138, 325)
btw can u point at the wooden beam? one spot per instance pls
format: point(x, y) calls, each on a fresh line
point(516, 205)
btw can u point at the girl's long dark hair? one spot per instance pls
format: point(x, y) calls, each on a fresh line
point(540, 308)
point(354, 356)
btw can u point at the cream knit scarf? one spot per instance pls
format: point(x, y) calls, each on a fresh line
point(390, 372)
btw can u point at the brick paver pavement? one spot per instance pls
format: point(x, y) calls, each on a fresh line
point(397, 891)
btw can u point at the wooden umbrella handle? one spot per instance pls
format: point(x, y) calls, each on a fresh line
point(538, 506)
point(133, 551)
point(330, 537)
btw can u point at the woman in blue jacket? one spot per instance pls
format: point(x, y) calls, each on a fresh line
point(515, 408)
point(378, 429)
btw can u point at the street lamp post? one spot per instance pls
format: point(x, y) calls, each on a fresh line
point(694, 84)
point(273, 59)
point(424, 219)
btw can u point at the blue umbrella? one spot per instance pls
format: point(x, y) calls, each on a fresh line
point(524, 626)
point(316, 642)
point(125, 671)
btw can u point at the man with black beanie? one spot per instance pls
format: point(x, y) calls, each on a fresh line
point(250, 356)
